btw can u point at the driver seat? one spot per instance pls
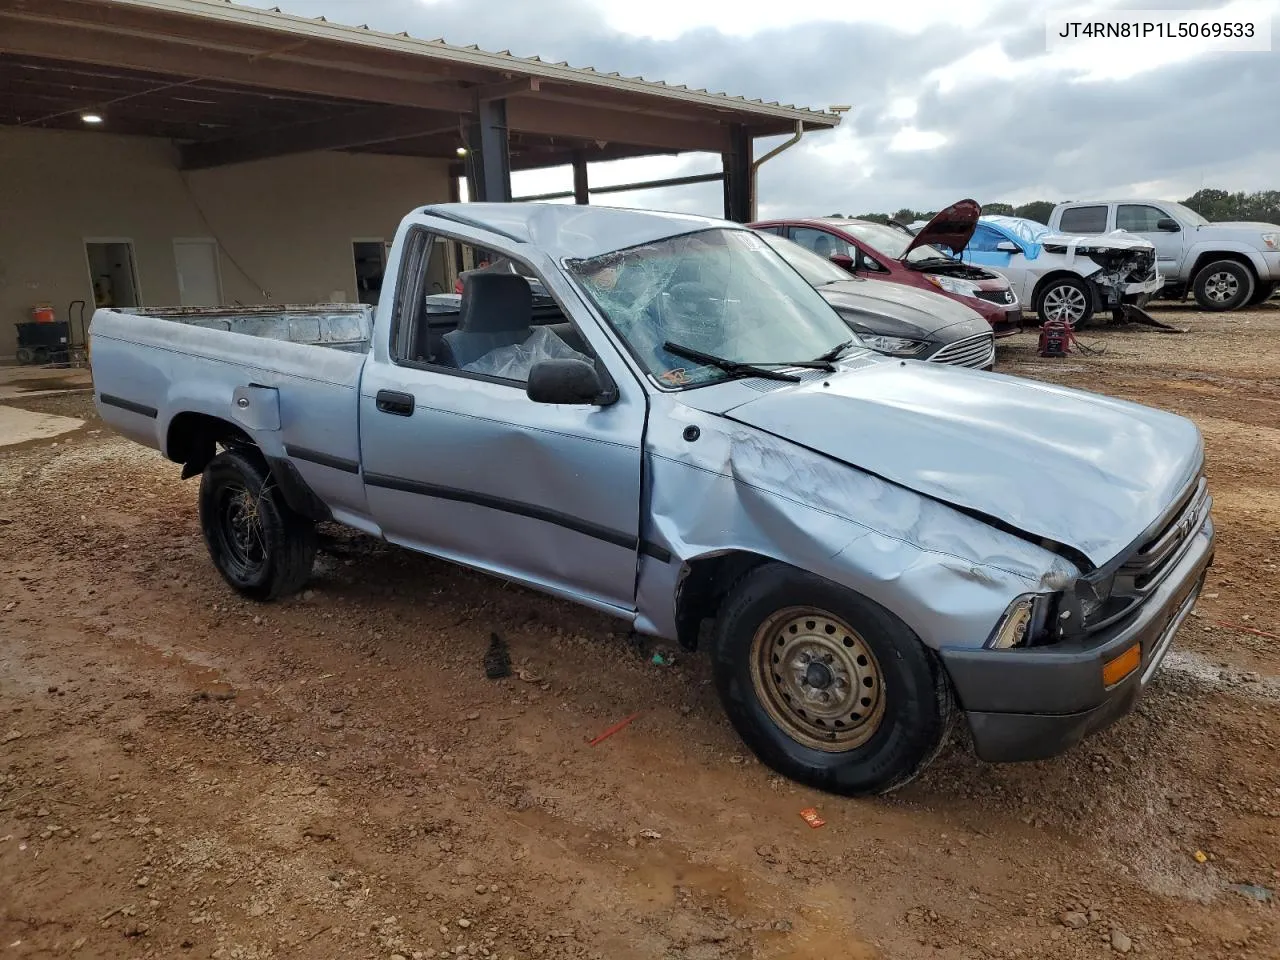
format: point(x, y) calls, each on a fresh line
point(496, 311)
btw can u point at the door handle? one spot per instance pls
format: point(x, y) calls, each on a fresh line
point(394, 402)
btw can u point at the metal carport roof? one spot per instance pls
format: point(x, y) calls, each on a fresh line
point(232, 83)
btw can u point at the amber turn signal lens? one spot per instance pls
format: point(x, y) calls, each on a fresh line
point(1117, 668)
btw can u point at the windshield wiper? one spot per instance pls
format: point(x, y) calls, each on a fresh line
point(834, 352)
point(761, 369)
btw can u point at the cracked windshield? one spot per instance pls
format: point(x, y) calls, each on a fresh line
point(695, 308)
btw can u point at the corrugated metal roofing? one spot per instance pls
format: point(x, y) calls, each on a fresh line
point(504, 61)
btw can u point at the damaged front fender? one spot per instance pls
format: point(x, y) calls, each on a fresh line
point(738, 491)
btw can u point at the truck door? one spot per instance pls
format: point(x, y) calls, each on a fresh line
point(1142, 219)
point(460, 463)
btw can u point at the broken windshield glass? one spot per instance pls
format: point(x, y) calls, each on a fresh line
point(721, 292)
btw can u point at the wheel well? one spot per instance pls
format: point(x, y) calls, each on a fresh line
point(1048, 278)
point(704, 584)
point(193, 439)
point(1205, 259)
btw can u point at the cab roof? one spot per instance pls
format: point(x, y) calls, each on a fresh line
point(571, 232)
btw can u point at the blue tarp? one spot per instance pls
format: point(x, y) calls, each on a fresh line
point(994, 229)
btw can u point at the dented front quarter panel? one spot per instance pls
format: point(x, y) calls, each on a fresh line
point(948, 576)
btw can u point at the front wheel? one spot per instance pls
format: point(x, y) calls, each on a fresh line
point(827, 687)
point(1066, 298)
point(1223, 285)
point(261, 547)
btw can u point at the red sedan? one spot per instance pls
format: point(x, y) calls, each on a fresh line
point(868, 249)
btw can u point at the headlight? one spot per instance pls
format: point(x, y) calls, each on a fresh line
point(898, 346)
point(1023, 623)
point(1272, 240)
point(1093, 596)
point(961, 288)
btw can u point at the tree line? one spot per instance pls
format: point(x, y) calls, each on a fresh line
point(1212, 204)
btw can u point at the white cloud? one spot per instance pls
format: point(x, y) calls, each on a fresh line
point(902, 108)
point(668, 19)
point(909, 138)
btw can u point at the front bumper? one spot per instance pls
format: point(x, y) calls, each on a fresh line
point(1272, 260)
point(1036, 703)
point(1146, 287)
point(1140, 294)
point(1005, 317)
point(1008, 323)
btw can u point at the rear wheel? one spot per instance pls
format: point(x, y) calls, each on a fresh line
point(1223, 285)
point(1065, 298)
point(261, 547)
point(827, 687)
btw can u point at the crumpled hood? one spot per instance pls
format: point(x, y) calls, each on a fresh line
point(1116, 240)
point(1078, 468)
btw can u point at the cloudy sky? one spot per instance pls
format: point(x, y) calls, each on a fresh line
point(950, 98)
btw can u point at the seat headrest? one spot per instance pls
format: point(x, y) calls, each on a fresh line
point(495, 303)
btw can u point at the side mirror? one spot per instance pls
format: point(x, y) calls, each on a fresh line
point(1008, 246)
point(1168, 225)
point(842, 260)
point(566, 381)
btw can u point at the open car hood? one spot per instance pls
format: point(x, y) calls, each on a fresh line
point(951, 228)
point(1079, 469)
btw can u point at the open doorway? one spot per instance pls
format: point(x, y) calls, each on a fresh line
point(371, 264)
point(113, 274)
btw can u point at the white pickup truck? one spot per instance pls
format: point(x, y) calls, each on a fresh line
point(1225, 266)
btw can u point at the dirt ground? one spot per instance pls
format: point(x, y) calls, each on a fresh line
point(183, 774)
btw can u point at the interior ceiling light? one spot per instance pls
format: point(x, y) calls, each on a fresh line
point(462, 151)
point(91, 118)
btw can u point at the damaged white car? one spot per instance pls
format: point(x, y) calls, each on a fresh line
point(1066, 277)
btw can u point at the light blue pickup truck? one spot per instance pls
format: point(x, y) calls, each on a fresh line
point(656, 416)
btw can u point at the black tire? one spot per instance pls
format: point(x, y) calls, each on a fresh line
point(1060, 289)
point(914, 707)
point(26, 355)
point(262, 548)
point(1262, 293)
point(1223, 285)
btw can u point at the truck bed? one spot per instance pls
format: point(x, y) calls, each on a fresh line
point(288, 376)
point(342, 326)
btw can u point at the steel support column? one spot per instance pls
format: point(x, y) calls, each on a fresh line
point(488, 159)
point(737, 175)
point(581, 189)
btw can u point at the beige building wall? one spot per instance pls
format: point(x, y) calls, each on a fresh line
point(284, 226)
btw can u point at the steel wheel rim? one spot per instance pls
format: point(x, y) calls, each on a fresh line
point(817, 679)
point(239, 532)
point(1222, 286)
point(1065, 303)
